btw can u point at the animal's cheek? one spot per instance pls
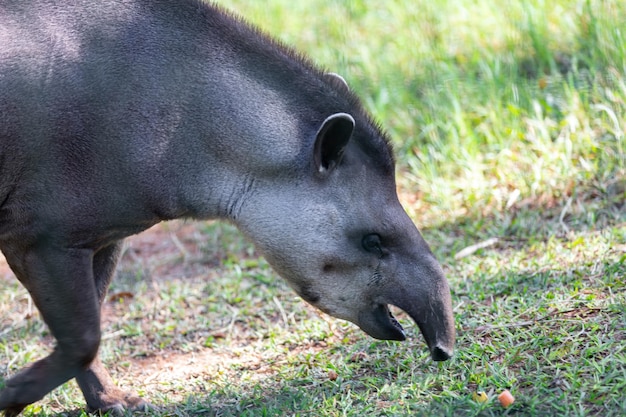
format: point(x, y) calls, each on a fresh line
point(330, 287)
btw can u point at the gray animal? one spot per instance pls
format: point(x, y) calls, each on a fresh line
point(118, 114)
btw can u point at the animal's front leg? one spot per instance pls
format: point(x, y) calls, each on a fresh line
point(61, 285)
point(32, 384)
point(99, 390)
point(103, 395)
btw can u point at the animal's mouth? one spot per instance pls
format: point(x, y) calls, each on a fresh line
point(394, 322)
point(381, 324)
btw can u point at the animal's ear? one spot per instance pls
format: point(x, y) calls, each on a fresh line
point(331, 141)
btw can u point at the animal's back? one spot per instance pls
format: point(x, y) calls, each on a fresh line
point(90, 91)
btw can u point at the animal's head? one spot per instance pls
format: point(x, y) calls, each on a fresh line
point(338, 234)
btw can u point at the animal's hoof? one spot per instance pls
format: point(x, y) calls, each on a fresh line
point(116, 410)
point(129, 404)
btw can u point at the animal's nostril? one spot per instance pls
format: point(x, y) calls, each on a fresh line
point(327, 268)
point(440, 354)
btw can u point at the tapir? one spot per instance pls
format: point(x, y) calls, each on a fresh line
point(119, 114)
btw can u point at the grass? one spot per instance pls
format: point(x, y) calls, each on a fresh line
point(508, 119)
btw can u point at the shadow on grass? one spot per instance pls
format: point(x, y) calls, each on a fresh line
point(508, 307)
point(510, 336)
point(500, 353)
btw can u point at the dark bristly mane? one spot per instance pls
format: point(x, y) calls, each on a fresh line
point(375, 143)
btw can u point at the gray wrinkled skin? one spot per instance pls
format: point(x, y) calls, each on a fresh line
point(116, 115)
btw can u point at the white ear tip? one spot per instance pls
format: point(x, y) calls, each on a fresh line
point(338, 77)
point(344, 116)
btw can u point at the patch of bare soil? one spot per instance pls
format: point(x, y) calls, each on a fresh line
point(173, 251)
point(167, 250)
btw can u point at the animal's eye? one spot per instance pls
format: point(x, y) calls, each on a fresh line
point(371, 243)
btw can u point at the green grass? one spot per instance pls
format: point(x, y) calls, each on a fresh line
point(508, 119)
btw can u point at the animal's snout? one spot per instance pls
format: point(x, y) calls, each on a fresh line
point(439, 353)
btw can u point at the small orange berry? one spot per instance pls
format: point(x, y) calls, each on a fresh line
point(506, 399)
